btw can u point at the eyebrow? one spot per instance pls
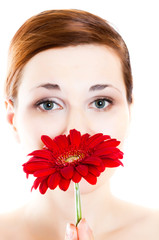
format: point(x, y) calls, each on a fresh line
point(50, 86)
point(99, 87)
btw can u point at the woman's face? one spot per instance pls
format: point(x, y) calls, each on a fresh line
point(78, 87)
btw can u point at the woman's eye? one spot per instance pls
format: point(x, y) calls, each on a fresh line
point(102, 103)
point(48, 105)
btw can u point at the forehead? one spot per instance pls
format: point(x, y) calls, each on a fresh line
point(83, 64)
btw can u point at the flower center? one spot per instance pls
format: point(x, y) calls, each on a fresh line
point(71, 156)
point(72, 159)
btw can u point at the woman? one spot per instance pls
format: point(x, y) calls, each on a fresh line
point(70, 69)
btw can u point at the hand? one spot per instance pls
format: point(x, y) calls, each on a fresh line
point(81, 232)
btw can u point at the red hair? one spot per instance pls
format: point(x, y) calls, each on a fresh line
point(62, 28)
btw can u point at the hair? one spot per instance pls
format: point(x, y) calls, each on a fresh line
point(58, 29)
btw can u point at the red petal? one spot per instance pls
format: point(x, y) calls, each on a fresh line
point(37, 182)
point(90, 178)
point(84, 139)
point(64, 184)
point(96, 139)
point(31, 167)
point(106, 151)
point(43, 186)
point(92, 160)
point(53, 180)
point(62, 142)
point(76, 177)
point(112, 163)
point(94, 171)
point(101, 168)
point(36, 160)
point(75, 137)
point(67, 172)
point(82, 169)
point(49, 143)
point(44, 172)
point(109, 143)
point(46, 154)
point(113, 155)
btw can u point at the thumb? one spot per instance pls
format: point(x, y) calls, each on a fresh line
point(71, 232)
point(84, 231)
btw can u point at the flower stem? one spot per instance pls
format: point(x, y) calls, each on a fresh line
point(78, 204)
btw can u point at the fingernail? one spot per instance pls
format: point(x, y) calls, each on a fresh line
point(83, 223)
point(69, 231)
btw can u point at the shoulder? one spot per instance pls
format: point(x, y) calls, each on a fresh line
point(139, 222)
point(151, 222)
point(146, 224)
point(12, 226)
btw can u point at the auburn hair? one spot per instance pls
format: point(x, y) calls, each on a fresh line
point(58, 29)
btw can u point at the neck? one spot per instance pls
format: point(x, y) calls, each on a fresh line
point(56, 208)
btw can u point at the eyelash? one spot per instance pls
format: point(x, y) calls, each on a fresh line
point(107, 100)
point(44, 101)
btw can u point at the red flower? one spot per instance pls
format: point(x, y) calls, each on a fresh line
point(72, 157)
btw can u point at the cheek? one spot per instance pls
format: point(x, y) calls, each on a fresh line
point(115, 123)
point(32, 126)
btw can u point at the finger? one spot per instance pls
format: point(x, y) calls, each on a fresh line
point(71, 232)
point(84, 231)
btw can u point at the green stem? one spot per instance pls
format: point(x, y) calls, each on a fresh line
point(78, 204)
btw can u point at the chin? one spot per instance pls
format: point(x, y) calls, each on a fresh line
point(86, 188)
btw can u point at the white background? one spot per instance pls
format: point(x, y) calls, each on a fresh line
point(138, 23)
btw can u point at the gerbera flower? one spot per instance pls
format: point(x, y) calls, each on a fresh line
point(72, 157)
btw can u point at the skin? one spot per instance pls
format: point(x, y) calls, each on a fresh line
point(74, 103)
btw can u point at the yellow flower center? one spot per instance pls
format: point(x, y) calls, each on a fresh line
point(71, 156)
point(72, 159)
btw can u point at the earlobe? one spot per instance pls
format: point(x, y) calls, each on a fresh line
point(11, 117)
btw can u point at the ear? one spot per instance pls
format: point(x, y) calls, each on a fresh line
point(131, 108)
point(10, 114)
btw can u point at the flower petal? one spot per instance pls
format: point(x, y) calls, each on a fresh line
point(109, 143)
point(76, 177)
point(94, 171)
point(112, 163)
point(90, 178)
point(64, 184)
point(113, 155)
point(62, 142)
point(75, 138)
point(106, 151)
point(67, 172)
point(101, 168)
point(92, 160)
point(37, 182)
point(44, 172)
point(96, 139)
point(53, 180)
point(44, 153)
point(82, 169)
point(43, 186)
point(84, 139)
point(31, 167)
point(49, 143)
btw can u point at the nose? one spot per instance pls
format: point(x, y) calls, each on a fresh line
point(78, 120)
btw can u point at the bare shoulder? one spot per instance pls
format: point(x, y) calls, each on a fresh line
point(151, 222)
point(146, 224)
point(139, 223)
point(12, 226)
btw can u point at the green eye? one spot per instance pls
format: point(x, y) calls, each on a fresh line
point(48, 105)
point(100, 103)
